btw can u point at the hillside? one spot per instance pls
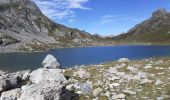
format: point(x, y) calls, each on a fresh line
point(24, 27)
point(156, 29)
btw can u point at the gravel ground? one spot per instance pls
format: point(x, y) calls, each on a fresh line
point(147, 79)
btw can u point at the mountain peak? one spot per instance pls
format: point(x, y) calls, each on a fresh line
point(22, 25)
point(159, 12)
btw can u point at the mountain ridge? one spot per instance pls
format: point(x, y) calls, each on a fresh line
point(156, 29)
point(24, 26)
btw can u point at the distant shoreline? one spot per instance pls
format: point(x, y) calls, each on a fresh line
point(109, 45)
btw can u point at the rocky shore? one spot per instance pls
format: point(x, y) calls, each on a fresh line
point(146, 79)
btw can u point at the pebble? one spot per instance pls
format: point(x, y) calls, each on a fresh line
point(118, 96)
point(129, 92)
point(158, 82)
point(114, 85)
point(97, 91)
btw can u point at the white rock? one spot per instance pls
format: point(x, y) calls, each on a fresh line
point(11, 94)
point(161, 73)
point(86, 88)
point(114, 85)
point(121, 74)
point(132, 69)
point(97, 91)
point(158, 82)
point(113, 70)
point(50, 62)
point(2, 72)
point(129, 92)
point(160, 98)
point(114, 78)
point(144, 81)
point(118, 96)
point(147, 66)
point(107, 94)
point(42, 74)
point(123, 60)
point(159, 62)
point(78, 92)
point(45, 90)
point(82, 74)
point(26, 75)
point(98, 83)
point(142, 75)
point(69, 87)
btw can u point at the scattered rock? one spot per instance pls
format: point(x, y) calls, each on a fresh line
point(97, 91)
point(144, 81)
point(158, 82)
point(107, 94)
point(160, 98)
point(118, 96)
point(82, 74)
point(132, 69)
point(123, 60)
point(129, 92)
point(114, 85)
point(142, 75)
point(147, 66)
point(86, 88)
point(113, 70)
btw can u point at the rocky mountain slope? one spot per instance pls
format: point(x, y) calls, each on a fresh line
point(22, 23)
point(153, 30)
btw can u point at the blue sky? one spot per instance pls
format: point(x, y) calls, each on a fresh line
point(105, 17)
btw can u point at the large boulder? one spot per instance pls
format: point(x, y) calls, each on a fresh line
point(50, 62)
point(11, 94)
point(11, 80)
point(4, 84)
point(43, 74)
point(45, 90)
point(2, 73)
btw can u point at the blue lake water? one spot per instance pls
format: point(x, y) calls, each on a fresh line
point(70, 57)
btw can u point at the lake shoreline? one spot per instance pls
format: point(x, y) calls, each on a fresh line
point(71, 57)
point(9, 50)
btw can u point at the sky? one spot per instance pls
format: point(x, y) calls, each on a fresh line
point(104, 17)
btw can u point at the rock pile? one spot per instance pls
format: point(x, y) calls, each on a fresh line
point(121, 80)
point(45, 83)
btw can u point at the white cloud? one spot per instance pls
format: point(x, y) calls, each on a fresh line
point(61, 9)
point(77, 4)
point(117, 18)
point(108, 19)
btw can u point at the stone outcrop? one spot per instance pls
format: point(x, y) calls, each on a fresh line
point(47, 83)
point(44, 90)
point(43, 74)
point(50, 62)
